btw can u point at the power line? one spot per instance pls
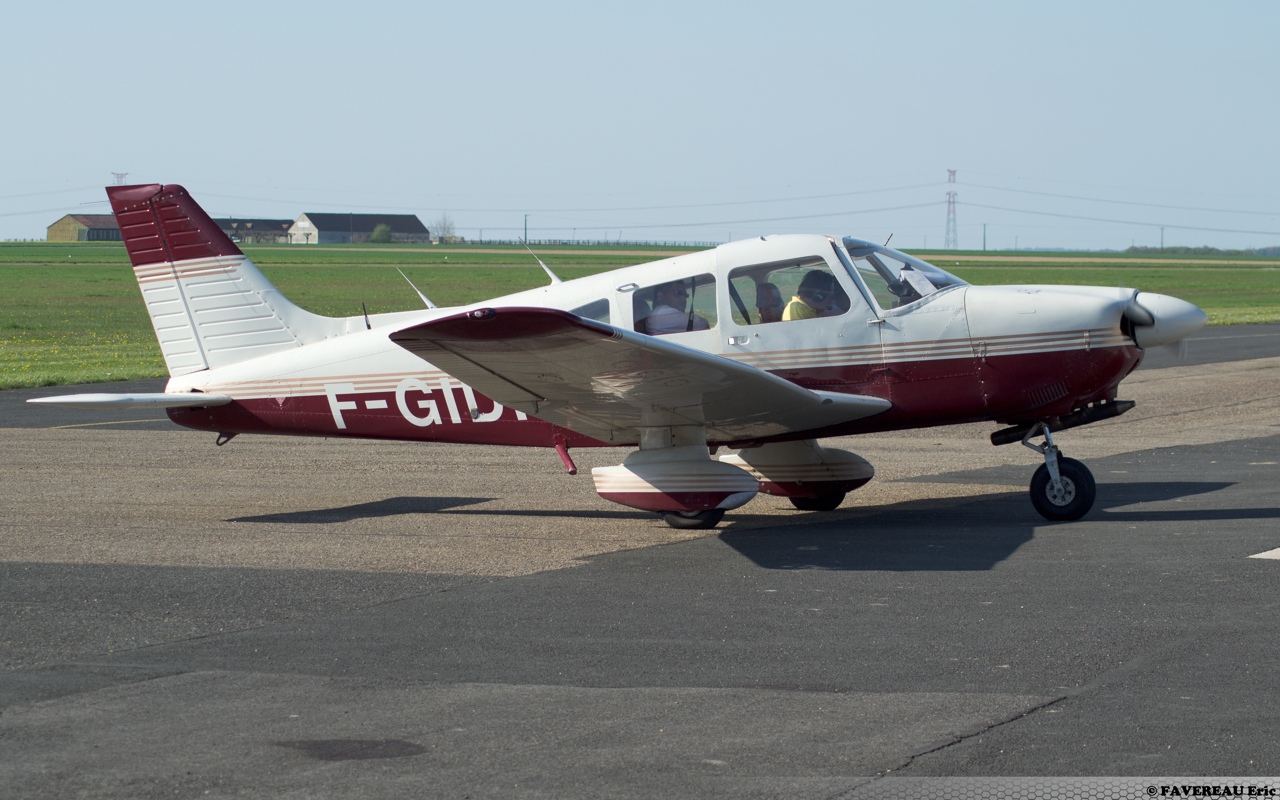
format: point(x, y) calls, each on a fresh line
point(63, 209)
point(1093, 185)
point(952, 239)
point(45, 194)
point(748, 202)
point(760, 220)
point(535, 210)
point(1124, 202)
point(1123, 221)
point(617, 226)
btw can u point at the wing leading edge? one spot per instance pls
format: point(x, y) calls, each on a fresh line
point(607, 383)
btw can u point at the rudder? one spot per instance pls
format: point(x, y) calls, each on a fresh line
point(209, 304)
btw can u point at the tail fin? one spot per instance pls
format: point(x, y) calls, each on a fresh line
point(209, 304)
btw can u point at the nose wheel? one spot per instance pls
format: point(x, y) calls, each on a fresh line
point(825, 502)
point(1062, 488)
point(694, 520)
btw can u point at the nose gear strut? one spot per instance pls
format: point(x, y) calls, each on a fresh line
point(1061, 488)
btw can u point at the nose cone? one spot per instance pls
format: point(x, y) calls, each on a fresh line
point(1171, 319)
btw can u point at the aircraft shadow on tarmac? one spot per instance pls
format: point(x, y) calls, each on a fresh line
point(980, 533)
point(397, 506)
point(926, 535)
point(390, 507)
point(1117, 495)
point(1120, 495)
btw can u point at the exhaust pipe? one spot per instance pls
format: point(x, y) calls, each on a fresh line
point(1092, 413)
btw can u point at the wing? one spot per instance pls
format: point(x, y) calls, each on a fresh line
point(607, 383)
point(144, 400)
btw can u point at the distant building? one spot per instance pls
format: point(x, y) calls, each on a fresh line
point(354, 228)
point(84, 228)
point(256, 231)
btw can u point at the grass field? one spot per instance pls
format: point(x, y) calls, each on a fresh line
point(71, 313)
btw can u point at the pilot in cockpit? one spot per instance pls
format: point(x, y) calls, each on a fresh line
point(814, 298)
point(669, 315)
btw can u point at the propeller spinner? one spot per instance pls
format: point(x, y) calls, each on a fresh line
point(1160, 319)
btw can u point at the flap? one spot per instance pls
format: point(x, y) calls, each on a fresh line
point(607, 383)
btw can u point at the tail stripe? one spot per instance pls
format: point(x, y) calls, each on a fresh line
point(209, 304)
point(163, 224)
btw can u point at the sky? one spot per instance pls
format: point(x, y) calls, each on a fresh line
point(1086, 125)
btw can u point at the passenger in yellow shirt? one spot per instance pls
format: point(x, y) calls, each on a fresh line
point(813, 298)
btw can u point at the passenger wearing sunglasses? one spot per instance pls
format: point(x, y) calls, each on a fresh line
point(814, 297)
point(669, 315)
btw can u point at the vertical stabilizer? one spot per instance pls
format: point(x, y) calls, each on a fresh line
point(209, 304)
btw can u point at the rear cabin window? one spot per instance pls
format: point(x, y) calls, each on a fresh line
point(597, 310)
point(676, 306)
point(786, 292)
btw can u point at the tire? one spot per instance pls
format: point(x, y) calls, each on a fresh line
point(826, 502)
point(693, 520)
point(1079, 491)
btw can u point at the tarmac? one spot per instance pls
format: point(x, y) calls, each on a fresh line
point(333, 618)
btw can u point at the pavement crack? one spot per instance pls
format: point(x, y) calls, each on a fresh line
point(955, 740)
point(1101, 681)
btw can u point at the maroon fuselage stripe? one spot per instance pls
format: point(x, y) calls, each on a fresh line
point(1006, 389)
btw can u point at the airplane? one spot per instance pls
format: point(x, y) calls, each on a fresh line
point(676, 360)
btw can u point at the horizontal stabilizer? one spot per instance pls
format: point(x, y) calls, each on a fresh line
point(609, 383)
point(145, 400)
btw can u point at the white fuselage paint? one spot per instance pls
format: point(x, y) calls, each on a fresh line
point(957, 322)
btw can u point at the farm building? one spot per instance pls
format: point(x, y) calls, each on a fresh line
point(256, 231)
point(84, 228)
point(342, 228)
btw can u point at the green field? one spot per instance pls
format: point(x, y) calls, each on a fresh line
point(71, 313)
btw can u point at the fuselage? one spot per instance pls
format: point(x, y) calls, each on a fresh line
point(940, 350)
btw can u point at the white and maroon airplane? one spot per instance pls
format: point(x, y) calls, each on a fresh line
point(674, 359)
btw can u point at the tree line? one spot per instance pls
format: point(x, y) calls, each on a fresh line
point(1203, 251)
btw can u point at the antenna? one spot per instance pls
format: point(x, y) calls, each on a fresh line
point(554, 278)
point(425, 299)
point(950, 242)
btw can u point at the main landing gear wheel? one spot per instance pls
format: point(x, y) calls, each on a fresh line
point(826, 502)
point(694, 520)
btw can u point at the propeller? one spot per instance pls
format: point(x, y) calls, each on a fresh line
point(1159, 319)
point(1134, 310)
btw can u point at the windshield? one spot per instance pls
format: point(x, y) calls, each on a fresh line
point(896, 278)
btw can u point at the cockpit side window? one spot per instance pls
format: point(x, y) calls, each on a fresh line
point(676, 306)
point(787, 291)
point(887, 288)
point(896, 279)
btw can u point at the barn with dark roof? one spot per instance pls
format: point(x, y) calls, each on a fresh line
point(256, 231)
point(316, 228)
point(84, 228)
